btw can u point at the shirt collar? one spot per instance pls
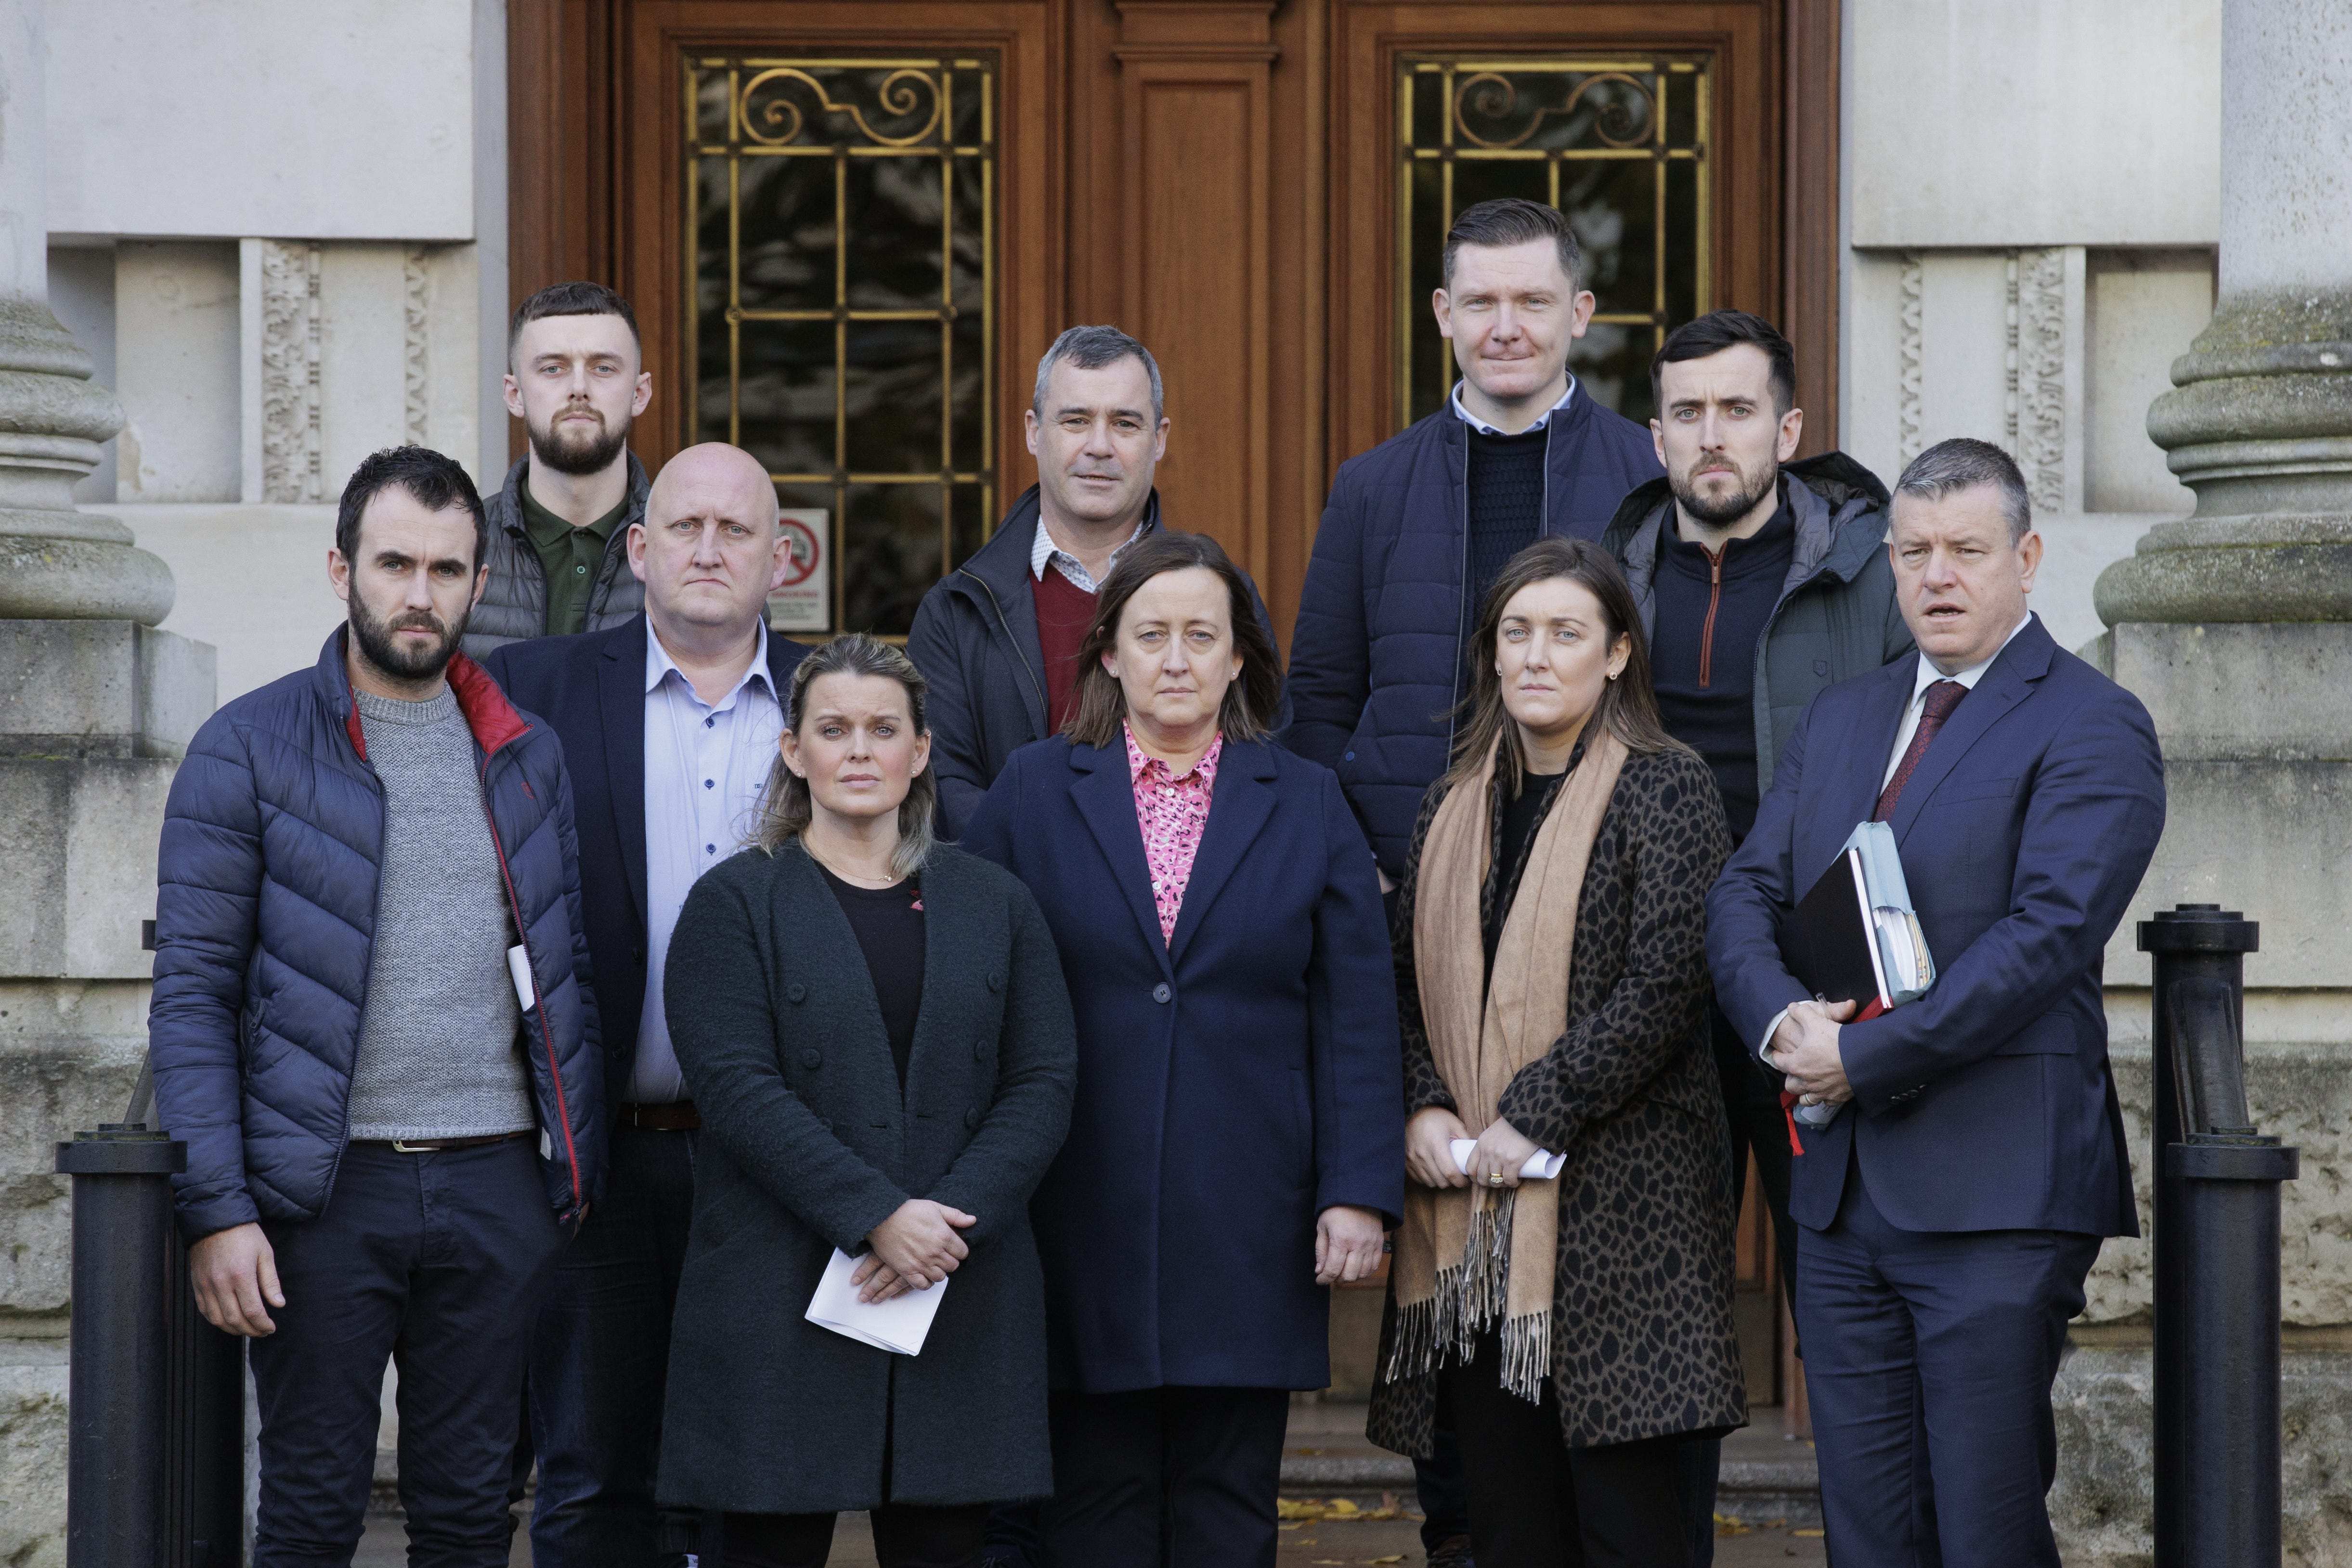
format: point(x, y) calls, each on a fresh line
point(1044, 552)
point(659, 666)
point(1139, 767)
point(1482, 428)
point(546, 528)
point(1928, 674)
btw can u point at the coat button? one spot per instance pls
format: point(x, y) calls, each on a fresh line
point(1161, 993)
point(980, 1051)
point(795, 994)
point(826, 1121)
point(996, 979)
point(972, 1118)
point(811, 1056)
point(1348, 757)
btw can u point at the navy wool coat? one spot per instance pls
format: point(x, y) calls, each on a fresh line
point(808, 1143)
point(1232, 1085)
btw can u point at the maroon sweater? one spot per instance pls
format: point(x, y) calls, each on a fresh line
point(1064, 610)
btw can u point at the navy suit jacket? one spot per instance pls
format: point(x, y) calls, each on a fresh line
point(1233, 1084)
point(591, 690)
point(1986, 1104)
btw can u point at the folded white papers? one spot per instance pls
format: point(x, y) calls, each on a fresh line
point(1540, 1167)
point(518, 966)
point(898, 1325)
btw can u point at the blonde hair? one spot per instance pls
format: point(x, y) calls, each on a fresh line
point(785, 804)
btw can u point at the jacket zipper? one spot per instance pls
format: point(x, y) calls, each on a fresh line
point(1713, 600)
point(1014, 643)
point(523, 933)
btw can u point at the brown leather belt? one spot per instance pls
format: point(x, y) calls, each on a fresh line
point(680, 1117)
point(438, 1146)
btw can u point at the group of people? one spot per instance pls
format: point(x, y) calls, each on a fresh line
point(562, 976)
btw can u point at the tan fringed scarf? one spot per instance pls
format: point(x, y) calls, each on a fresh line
point(1465, 1256)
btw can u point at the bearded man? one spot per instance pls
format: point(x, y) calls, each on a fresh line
point(558, 557)
point(1759, 581)
point(373, 1028)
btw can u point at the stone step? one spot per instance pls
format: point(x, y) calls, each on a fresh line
point(1755, 1485)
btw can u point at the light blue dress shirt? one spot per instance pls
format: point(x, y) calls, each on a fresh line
point(705, 764)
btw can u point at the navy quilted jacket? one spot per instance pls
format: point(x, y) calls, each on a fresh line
point(265, 917)
point(1376, 658)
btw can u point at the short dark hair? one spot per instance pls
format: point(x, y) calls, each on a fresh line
point(1964, 463)
point(435, 479)
point(1254, 698)
point(571, 299)
point(1091, 349)
point(1720, 330)
point(1510, 220)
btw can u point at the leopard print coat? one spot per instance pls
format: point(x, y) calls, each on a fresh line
point(1642, 1344)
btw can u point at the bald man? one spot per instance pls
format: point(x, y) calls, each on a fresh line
point(668, 723)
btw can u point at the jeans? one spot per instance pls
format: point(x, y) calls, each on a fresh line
point(601, 1359)
point(435, 1262)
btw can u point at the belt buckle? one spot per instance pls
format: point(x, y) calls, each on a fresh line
point(400, 1146)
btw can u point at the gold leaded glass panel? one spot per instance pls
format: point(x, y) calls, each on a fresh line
point(841, 238)
point(1621, 145)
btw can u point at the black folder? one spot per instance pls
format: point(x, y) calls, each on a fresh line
point(1829, 940)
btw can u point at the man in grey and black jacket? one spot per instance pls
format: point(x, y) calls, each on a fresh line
point(1759, 582)
point(558, 558)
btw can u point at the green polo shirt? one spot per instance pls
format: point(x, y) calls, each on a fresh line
point(570, 557)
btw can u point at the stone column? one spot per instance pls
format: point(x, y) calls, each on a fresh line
point(2235, 625)
point(96, 707)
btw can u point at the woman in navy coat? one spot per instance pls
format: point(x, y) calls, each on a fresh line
point(1237, 1146)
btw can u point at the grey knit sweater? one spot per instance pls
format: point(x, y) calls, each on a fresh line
point(439, 1051)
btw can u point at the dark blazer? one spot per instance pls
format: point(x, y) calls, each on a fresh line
point(591, 690)
point(808, 1143)
point(1232, 1085)
point(2024, 833)
point(975, 639)
point(1376, 658)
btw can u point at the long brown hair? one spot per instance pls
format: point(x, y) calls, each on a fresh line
point(1628, 705)
point(1255, 695)
point(786, 805)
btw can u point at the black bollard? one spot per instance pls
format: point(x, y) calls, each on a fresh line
point(123, 1243)
point(2218, 1489)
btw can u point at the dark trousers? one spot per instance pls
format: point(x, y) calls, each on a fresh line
point(1929, 1360)
point(904, 1537)
point(1166, 1478)
point(1438, 1487)
point(438, 1262)
point(601, 1357)
point(1751, 1105)
point(1535, 1502)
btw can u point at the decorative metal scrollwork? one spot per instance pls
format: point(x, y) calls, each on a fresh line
point(902, 94)
point(1617, 123)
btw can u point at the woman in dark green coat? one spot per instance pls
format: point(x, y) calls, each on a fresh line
point(875, 1031)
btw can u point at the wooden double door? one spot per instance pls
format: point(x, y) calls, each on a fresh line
point(849, 230)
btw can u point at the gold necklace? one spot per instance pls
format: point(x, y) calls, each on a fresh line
point(858, 878)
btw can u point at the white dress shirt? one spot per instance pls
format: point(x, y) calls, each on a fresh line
point(1044, 552)
point(705, 764)
point(1482, 428)
point(1924, 676)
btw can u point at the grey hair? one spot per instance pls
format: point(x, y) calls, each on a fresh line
point(1090, 349)
point(785, 806)
point(1963, 464)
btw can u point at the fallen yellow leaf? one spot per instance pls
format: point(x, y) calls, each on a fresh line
point(1806, 1534)
point(1393, 1557)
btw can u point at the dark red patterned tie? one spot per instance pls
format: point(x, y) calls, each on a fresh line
point(1941, 699)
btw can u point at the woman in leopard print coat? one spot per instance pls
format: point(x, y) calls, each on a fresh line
point(1642, 1342)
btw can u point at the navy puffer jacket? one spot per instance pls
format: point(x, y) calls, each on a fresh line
point(265, 919)
point(1376, 659)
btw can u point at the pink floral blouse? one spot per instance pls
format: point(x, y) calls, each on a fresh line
point(1173, 812)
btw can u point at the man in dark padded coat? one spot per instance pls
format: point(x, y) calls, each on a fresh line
point(1415, 530)
point(372, 1026)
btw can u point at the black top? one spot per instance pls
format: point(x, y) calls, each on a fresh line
point(888, 922)
point(1506, 484)
point(1516, 823)
point(1712, 610)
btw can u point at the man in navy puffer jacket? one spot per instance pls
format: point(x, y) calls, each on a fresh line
point(1417, 527)
point(373, 1028)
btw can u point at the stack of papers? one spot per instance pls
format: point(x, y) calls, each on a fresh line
point(1540, 1167)
point(898, 1325)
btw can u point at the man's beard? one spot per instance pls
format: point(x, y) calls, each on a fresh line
point(382, 650)
point(579, 454)
point(1721, 511)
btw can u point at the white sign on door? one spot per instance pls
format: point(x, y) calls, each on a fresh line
point(804, 602)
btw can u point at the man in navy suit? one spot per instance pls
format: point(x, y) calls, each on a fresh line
point(669, 724)
point(1950, 1210)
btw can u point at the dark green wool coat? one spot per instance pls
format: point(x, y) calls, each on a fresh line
point(807, 1145)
